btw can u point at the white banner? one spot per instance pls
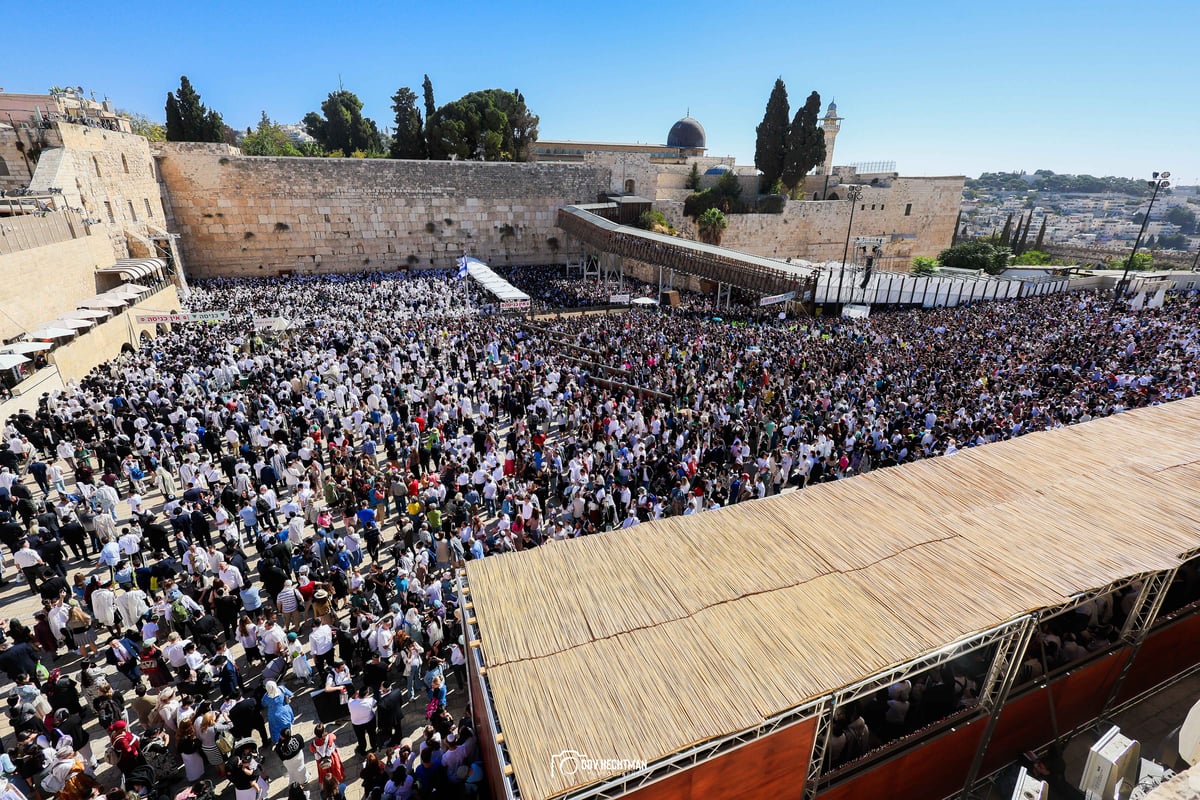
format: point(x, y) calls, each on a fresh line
point(208, 316)
point(514, 305)
point(776, 298)
point(853, 311)
point(618, 298)
point(195, 316)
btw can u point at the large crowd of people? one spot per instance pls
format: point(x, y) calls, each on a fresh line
point(228, 518)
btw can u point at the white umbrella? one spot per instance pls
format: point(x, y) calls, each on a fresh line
point(644, 301)
point(49, 333)
point(89, 313)
point(69, 323)
point(104, 301)
point(132, 287)
point(25, 347)
point(10, 360)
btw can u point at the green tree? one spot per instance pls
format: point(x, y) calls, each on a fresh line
point(805, 143)
point(189, 120)
point(1173, 241)
point(923, 265)
point(492, 125)
point(1037, 245)
point(770, 146)
point(655, 220)
point(142, 125)
point(977, 255)
point(409, 139)
point(693, 180)
point(431, 136)
point(1033, 258)
point(1141, 263)
point(341, 126)
point(1182, 216)
point(269, 139)
point(711, 226)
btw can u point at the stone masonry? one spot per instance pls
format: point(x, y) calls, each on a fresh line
point(246, 216)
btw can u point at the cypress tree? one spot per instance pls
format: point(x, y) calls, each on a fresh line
point(1006, 234)
point(805, 143)
point(1041, 234)
point(188, 120)
point(433, 144)
point(1025, 235)
point(770, 147)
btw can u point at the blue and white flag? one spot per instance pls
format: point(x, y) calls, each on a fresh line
point(462, 267)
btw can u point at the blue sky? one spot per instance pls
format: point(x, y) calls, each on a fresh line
point(940, 87)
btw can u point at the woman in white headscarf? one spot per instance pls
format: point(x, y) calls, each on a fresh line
point(279, 712)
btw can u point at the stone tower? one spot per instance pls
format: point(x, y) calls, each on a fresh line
point(831, 124)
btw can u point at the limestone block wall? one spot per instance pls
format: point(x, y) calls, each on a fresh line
point(243, 215)
point(915, 215)
point(111, 175)
point(41, 283)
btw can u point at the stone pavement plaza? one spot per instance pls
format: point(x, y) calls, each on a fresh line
point(17, 601)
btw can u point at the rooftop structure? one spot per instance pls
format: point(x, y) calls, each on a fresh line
point(645, 643)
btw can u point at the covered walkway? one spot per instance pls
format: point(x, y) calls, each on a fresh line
point(755, 274)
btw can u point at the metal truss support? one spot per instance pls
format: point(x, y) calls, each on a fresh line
point(1137, 625)
point(1006, 664)
point(816, 759)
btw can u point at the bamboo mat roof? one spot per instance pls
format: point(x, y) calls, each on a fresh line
point(642, 642)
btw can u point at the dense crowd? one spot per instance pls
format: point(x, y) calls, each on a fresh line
point(298, 498)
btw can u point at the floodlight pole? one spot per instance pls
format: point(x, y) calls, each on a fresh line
point(1158, 181)
point(853, 194)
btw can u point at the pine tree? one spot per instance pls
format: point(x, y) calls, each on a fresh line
point(341, 125)
point(693, 181)
point(1041, 235)
point(771, 145)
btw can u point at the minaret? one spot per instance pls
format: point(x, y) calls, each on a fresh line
point(830, 126)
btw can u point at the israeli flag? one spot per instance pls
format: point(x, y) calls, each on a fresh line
point(462, 267)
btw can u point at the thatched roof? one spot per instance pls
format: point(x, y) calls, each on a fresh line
point(641, 642)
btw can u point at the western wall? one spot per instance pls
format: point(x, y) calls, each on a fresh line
point(241, 215)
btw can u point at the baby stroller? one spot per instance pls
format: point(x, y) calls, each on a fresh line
point(140, 780)
point(242, 749)
point(275, 669)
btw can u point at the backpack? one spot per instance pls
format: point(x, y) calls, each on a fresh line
point(179, 612)
point(262, 505)
point(106, 711)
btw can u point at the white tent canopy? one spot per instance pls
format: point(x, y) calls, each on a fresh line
point(88, 313)
point(25, 347)
point(495, 285)
point(10, 360)
point(50, 333)
point(68, 322)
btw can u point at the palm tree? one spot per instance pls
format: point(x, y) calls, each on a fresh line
point(711, 226)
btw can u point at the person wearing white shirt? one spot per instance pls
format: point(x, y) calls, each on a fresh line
point(362, 717)
point(320, 640)
point(231, 576)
